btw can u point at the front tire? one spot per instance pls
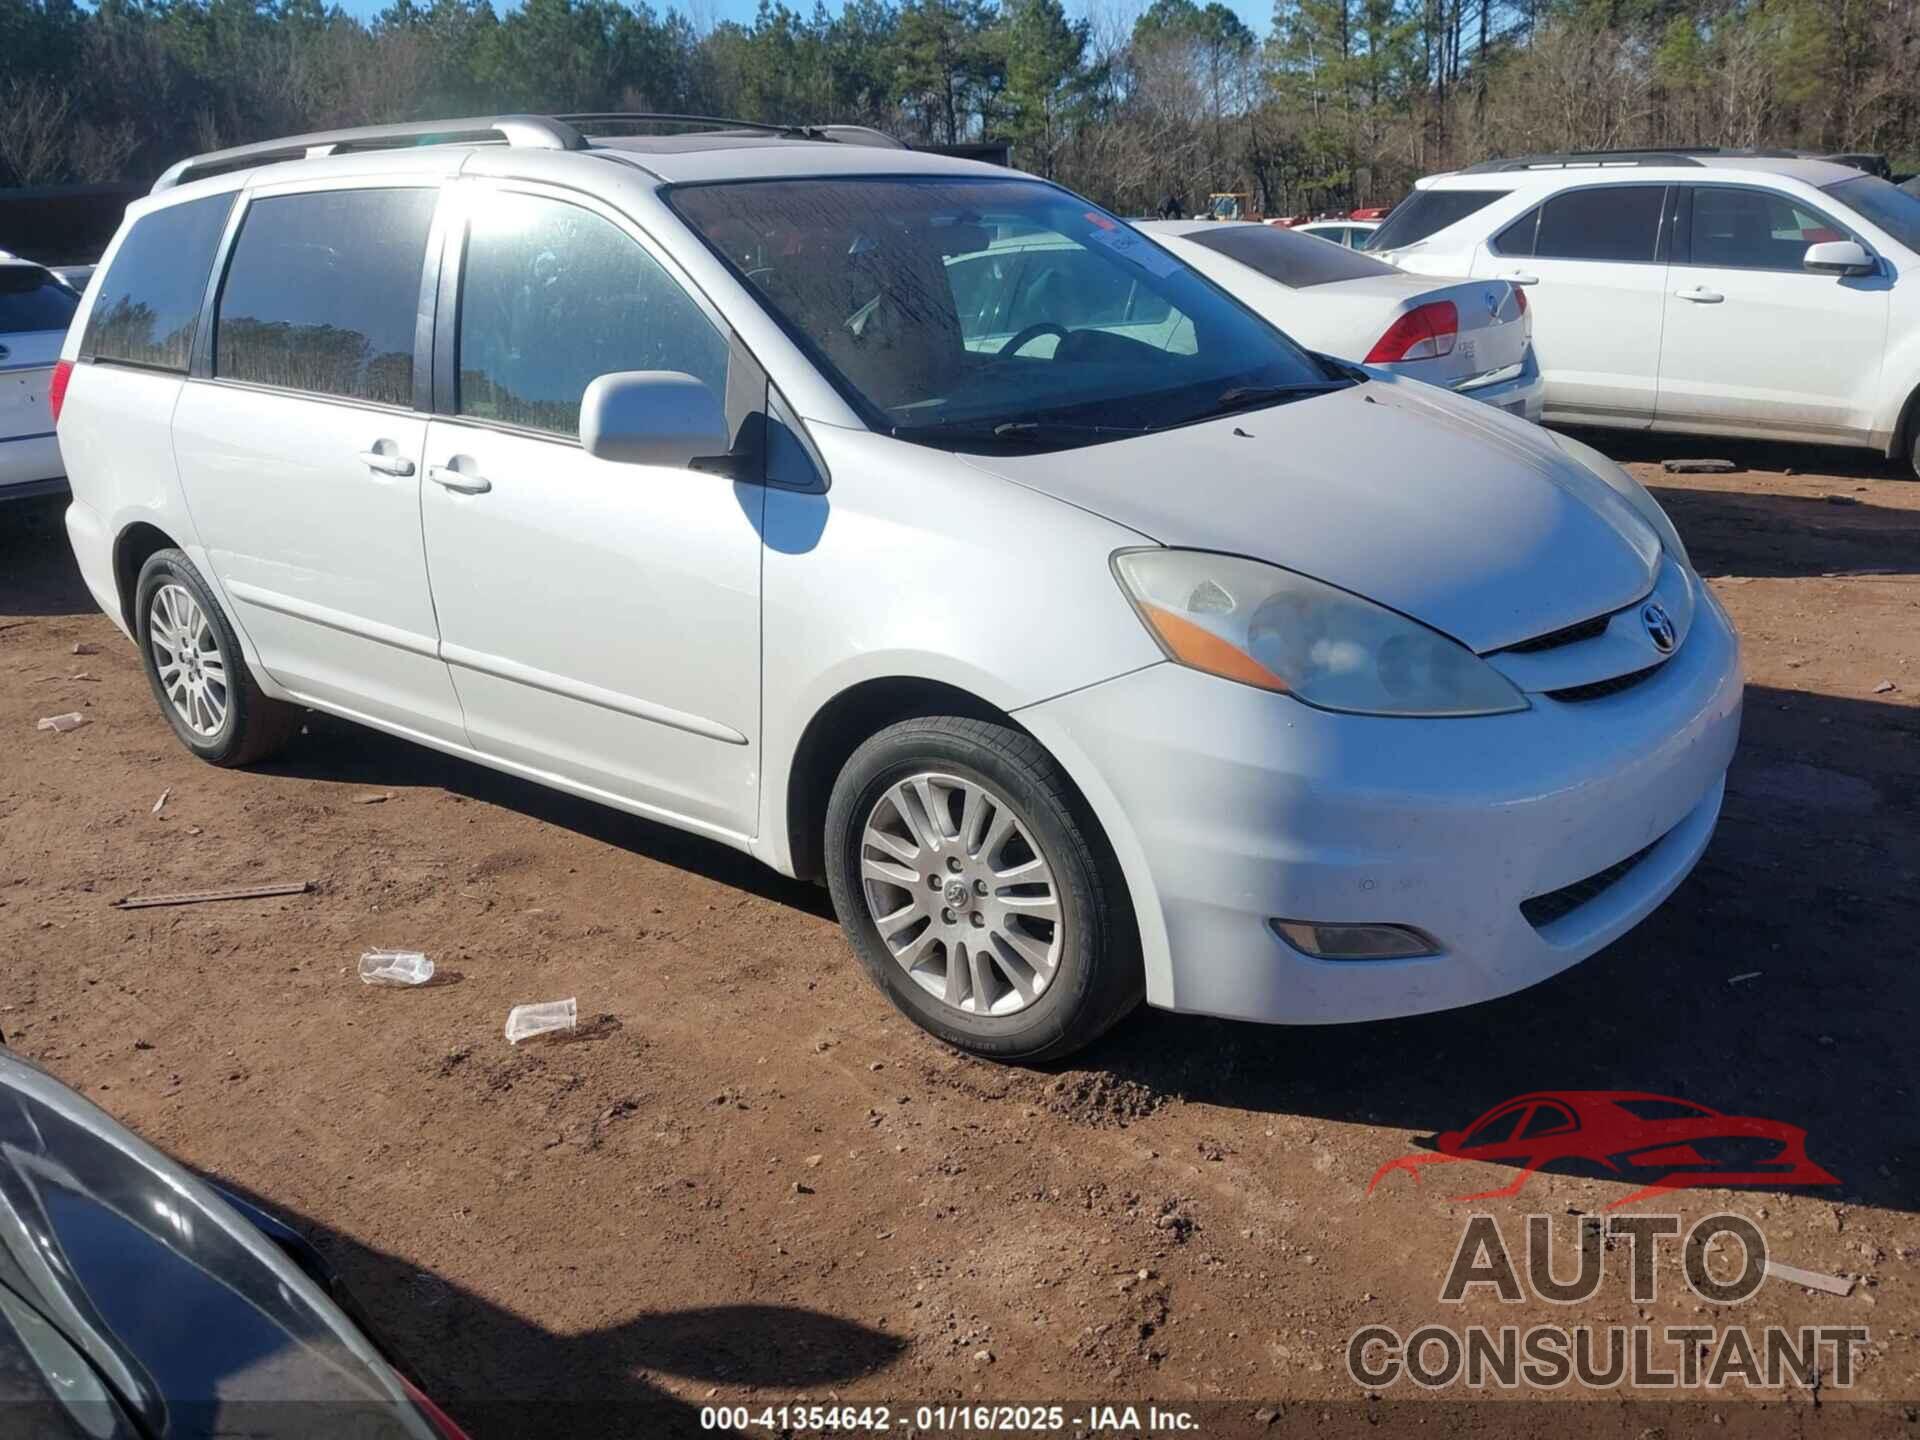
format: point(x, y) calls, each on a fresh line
point(197, 672)
point(977, 890)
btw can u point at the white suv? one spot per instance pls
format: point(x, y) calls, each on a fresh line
point(1138, 651)
point(1713, 293)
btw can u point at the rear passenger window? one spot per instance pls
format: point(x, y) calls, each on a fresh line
point(554, 296)
point(1611, 222)
point(322, 292)
point(149, 300)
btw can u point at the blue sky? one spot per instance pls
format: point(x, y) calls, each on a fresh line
point(1258, 14)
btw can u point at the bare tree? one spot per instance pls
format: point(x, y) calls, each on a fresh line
point(35, 120)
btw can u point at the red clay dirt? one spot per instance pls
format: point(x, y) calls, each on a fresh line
point(748, 1179)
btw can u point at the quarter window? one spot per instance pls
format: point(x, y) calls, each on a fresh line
point(322, 292)
point(149, 301)
point(1608, 222)
point(1738, 229)
point(554, 296)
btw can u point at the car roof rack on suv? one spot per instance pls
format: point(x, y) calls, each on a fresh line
point(536, 132)
point(1601, 159)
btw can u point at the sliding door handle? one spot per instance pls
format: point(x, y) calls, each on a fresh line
point(1700, 295)
point(462, 484)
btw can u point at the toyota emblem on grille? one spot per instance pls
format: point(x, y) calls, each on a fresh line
point(1659, 625)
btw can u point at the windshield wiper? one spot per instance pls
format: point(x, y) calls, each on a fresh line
point(1238, 397)
point(1036, 430)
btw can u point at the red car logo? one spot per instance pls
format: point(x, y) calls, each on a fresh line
point(1671, 1143)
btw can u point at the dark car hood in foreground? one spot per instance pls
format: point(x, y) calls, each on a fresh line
point(185, 1312)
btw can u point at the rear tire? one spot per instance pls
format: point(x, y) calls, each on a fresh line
point(978, 891)
point(197, 672)
point(1913, 441)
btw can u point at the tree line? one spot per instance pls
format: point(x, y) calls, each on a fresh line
point(1341, 103)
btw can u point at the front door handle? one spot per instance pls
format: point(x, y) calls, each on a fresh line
point(454, 480)
point(1521, 277)
point(386, 464)
point(1700, 295)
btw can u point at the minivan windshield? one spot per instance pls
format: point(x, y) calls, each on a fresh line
point(956, 311)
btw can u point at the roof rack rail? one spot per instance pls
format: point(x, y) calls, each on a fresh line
point(845, 134)
point(1683, 155)
point(536, 132)
point(712, 122)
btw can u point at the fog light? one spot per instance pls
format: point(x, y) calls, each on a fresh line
point(1355, 942)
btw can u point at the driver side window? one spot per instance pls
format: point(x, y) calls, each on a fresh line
point(552, 296)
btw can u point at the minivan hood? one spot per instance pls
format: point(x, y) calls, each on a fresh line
point(1445, 509)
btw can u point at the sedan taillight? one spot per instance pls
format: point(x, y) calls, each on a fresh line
point(57, 387)
point(1422, 334)
point(1519, 301)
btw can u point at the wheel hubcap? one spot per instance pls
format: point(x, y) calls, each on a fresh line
point(962, 895)
point(186, 654)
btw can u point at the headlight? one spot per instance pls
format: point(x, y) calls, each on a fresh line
point(1268, 627)
point(1630, 490)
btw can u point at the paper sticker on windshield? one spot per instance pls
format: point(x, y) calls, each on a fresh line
point(1132, 245)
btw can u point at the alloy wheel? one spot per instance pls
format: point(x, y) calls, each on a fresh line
point(187, 658)
point(963, 896)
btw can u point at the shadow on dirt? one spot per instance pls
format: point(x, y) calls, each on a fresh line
point(498, 1374)
point(37, 573)
point(338, 750)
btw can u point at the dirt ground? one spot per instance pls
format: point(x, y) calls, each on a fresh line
point(748, 1179)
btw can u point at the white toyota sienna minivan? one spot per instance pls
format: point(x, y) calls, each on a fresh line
point(1092, 639)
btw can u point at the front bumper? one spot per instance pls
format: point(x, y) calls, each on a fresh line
point(1230, 806)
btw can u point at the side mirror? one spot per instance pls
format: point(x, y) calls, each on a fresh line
point(1838, 257)
point(652, 417)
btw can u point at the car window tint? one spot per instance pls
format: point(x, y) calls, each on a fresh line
point(1294, 260)
point(322, 292)
point(1498, 1129)
point(554, 296)
point(1517, 238)
point(1657, 1109)
point(32, 299)
point(1546, 1120)
point(1741, 229)
point(148, 304)
point(1609, 222)
point(1427, 212)
point(1894, 208)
